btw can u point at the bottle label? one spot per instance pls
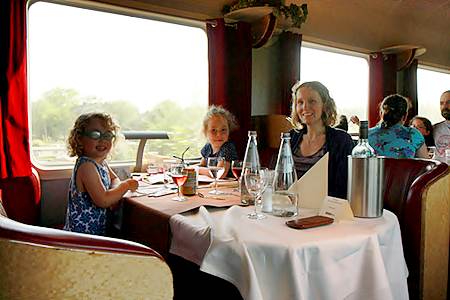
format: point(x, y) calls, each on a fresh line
point(189, 188)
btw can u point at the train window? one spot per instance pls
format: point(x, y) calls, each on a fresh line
point(431, 83)
point(149, 74)
point(345, 74)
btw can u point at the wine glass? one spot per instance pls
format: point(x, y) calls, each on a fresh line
point(179, 176)
point(236, 169)
point(256, 182)
point(216, 167)
point(431, 152)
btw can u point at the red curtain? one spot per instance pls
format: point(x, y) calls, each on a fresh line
point(290, 49)
point(230, 73)
point(382, 82)
point(14, 140)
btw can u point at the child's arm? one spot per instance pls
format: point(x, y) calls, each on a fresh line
point(203, 170)
point(91, 182)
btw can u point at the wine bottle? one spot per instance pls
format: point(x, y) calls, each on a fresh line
point(363, 149)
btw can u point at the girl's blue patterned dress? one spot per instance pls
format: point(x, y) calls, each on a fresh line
point(82, 214)
point(396, 141)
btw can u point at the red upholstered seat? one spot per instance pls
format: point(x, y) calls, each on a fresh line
point(21, 198)
point(408, 194)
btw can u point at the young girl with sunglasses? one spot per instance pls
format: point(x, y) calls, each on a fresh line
point(94, 188)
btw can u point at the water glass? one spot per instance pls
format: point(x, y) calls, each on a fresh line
point(431, 151)
point(256, 182)
point(284, 204)
point(267, 195)
point(236, 169)
point(216, 167)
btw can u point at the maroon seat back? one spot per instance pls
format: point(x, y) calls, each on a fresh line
point(21, 198)
point(405, 182)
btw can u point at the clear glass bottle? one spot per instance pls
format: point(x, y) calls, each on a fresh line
point(363, 149)
point(251, 160)
point(284, 203)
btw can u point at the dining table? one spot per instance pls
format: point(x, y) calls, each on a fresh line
point(265, 259)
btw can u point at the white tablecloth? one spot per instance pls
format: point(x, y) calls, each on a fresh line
point(265, 259)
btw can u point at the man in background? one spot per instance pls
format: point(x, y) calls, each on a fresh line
point(441, 130)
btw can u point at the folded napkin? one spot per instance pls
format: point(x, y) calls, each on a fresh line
point(312, 187)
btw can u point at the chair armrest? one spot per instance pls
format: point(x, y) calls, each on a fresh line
point(12, 230)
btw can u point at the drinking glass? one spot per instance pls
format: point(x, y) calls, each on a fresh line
point(431, 151)
point(216, 167)
point(256, 182)
point(179, 176)
point(236, 169)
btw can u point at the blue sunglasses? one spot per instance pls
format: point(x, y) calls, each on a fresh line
point(97, 135)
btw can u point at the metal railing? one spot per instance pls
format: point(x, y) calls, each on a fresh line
point(143, 136)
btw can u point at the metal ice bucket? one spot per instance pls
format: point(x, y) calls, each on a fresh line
point(365, 186)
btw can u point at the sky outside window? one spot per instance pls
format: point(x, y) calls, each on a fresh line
point(149, 75)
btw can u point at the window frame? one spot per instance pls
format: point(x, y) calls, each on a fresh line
point(365, 56)
point(435, 104)
point(65, 169)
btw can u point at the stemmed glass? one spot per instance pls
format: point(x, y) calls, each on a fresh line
point(179, 176)
point(236, 169)
point(216, 167)
point(256, 182)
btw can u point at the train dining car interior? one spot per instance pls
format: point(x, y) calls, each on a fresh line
point(112, 109)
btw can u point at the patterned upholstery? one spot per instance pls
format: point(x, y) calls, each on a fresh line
point(45, 263)
point(418, 192)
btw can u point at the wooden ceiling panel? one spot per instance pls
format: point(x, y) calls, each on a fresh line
point(364, 25)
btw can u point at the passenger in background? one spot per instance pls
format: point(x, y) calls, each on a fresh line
point(343, 123)
point(426, 129)
point(390, 137)
point(313, 114)
point(354, 120)
point(217, 125)
point(94, 188)
point(441, 130)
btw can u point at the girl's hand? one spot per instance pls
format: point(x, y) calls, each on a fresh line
point(204, 171)
point(132, 184)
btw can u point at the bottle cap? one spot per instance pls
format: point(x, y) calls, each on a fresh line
point(364, 124)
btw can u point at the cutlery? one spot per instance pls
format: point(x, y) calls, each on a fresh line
point(201, 195)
